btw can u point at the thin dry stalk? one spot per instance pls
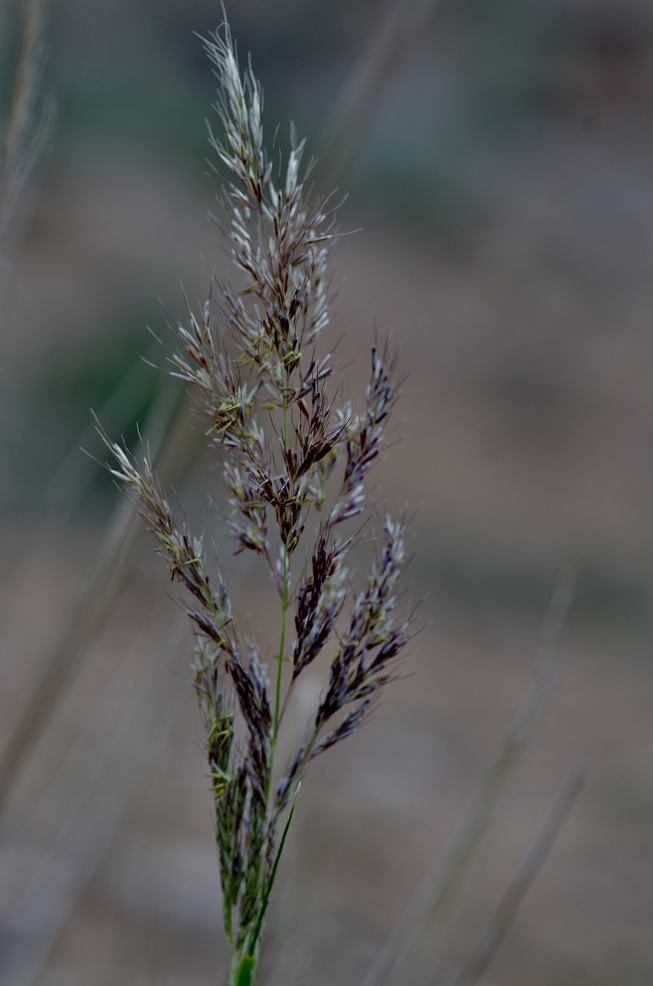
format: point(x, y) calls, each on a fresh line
point(93, 603)
point(47, 902)
point(442, 885)
point(504, 915)
point(397, 35)
point(23, 131)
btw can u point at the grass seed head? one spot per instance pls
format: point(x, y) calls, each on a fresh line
point(296, 465)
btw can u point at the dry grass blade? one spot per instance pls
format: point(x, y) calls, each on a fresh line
point(25, 83)
point(531, 865)
point(395, 38)
point(93, 603)
point(22, 135)
point(443, 883)
point(75, 856)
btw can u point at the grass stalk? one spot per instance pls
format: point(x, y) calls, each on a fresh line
point(483, 952)
point(442, 884)
point(89, 610)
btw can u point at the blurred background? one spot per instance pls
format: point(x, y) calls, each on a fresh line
point(498, 160)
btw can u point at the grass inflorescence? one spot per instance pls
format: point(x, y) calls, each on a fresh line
point(295, 467)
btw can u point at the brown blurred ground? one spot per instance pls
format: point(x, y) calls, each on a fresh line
point(524, 439)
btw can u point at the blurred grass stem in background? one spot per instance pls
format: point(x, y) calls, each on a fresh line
point(392, 42)
point(173, 452)
point(25, 125)
point(483, 952)
point(407, 945)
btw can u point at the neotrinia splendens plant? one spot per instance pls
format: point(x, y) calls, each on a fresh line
point(295, 468)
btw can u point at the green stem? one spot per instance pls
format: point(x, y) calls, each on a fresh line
point(258, 929)
point(284, 611)
point(282, 645)
point(243, 973)
point(243, 967)
point(229, 925)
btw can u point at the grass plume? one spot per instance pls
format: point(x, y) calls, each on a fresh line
point(296, 464)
